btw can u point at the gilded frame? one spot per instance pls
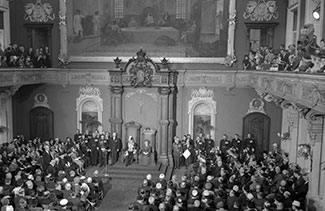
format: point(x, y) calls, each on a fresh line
point(229, 60)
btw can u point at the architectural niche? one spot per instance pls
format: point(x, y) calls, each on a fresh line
point(89, 101)
point(202, 103)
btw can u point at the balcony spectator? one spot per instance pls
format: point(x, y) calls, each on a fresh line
point(259, 58)
point(292, 49)
point(305, 63)
point(252, 61)
point(293, 63)
point(246, 63)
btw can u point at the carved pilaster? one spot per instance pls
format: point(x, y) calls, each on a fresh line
point(171, 126)
point(163, 111)
point(315, 126)
point(315, 131)
point(116, 111)
point(117, 90)
point(63, 57)
point(164, 90)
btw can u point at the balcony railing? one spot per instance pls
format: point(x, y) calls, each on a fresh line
point(300, 88)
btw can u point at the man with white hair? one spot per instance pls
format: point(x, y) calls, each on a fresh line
point(131, 150)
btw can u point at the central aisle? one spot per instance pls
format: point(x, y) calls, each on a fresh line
point(124, 182)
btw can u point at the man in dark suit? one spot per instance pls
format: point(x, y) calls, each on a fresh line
point(250, 143)
point(237, 143)
point(77, 135)
point(46, 156)
point(209, 143)
point(94, 153)
point(224, 146)
point(115, 146)
point(300, 187)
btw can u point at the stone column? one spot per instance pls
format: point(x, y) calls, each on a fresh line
point(315, 130)
point(163, 107)
point(172, 123)
point(116, 109)
point(293, 119)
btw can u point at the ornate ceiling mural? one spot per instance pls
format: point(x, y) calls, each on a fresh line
point(261, 10)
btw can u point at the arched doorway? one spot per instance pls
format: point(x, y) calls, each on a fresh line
point(258, 124)
point(41, 123)
point(41, 118)
point(89, 109)
point(202, 112)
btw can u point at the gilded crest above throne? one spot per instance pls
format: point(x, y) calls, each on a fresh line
point(141, 70)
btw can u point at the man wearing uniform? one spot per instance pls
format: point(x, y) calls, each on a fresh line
point(224, 146)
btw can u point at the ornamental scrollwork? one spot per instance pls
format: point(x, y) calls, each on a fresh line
point(89, 91)
point(62, 19)
point(141, 70)
point(202, 92)
point(261, 10)
point(233, 18)
point(39, 12)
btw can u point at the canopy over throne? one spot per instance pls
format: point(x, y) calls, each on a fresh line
point(155, 91)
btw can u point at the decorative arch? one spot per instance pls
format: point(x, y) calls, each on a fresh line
point(90, 103)
point(202, 107)
point(41, 118)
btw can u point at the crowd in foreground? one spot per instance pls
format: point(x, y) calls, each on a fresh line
point(231, 176)
point(47, 175)
point(18, 56)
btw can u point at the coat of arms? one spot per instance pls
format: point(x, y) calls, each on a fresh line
point(141, 70)
point(261, 10)
point(39, 12)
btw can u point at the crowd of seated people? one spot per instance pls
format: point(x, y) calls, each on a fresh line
point(47, 175)
point(290, 59)
point(19, 57)
point(228, 177)
point(307, 56)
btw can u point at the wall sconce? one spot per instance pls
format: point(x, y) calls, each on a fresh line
point(316, 12)
point(304, 150)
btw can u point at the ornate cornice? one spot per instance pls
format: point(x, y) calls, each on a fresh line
point(307, 90)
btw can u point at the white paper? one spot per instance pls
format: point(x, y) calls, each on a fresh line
point(187, 153)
